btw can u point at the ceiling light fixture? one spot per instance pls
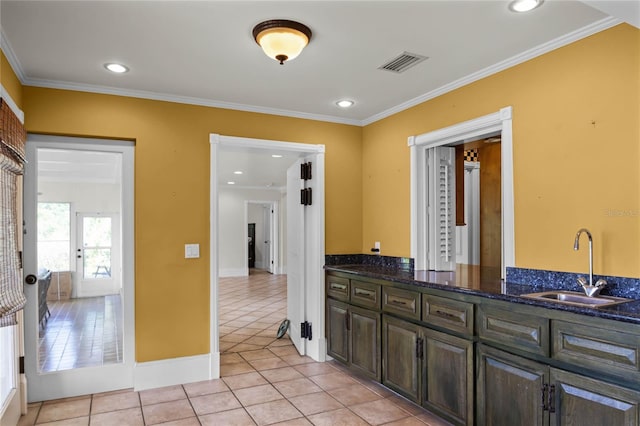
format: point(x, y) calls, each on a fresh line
point(237, 172)
point(524, 5)
point(231, 183)
point(345, 103)
point(276, 155)
point(116, 68)
point(281, 39)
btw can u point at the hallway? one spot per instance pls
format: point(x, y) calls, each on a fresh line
point(263, 381)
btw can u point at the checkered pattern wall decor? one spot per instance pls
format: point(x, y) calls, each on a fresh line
point(471, 155)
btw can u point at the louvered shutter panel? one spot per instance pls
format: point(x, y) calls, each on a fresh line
point(442, 208)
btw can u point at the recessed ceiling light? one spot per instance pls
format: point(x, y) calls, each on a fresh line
point(345, 103)
point(231, 183)
point(524, 5)
point(116, 68)
point(237, 172)
point(276, 155)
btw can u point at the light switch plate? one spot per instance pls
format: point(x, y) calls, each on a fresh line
point(191, 251)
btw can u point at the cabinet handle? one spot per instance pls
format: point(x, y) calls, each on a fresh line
point(397, 302)
point(552, 398)
point(336, 286)
point(366, 293)
point(419, 348)
point(445, 314)
point(544, 391)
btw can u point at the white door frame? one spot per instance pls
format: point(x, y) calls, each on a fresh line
point(500, 121)
point(315, 289)
point(80, 381)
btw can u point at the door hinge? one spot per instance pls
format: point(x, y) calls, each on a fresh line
point(305, 171)
point(306, 196)
point(20, 259)
point(21, 364)
point(419, 348)
point(305, 330)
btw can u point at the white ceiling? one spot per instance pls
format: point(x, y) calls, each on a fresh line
point(202, 52)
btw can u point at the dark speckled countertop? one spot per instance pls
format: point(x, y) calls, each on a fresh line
point(493, 289)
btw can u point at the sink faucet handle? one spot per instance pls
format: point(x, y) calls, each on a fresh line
point(601, 283)
point(582, 281)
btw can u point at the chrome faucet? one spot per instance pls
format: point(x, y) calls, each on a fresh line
point(590, 289)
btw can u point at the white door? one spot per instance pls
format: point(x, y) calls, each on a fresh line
point(78, 164)
point(97, 254)
point(295, 257)
point(10, 406)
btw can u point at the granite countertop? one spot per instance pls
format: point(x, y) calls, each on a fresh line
point(490, 288)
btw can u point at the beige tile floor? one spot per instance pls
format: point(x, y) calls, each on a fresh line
point(263, 381)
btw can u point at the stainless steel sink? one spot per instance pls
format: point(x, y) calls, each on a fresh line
point(577, 299)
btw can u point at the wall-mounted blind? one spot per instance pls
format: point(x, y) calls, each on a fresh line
point(12, 154)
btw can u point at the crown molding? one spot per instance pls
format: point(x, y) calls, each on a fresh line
point(11, 56)
point(539, 50)
point(106, 90)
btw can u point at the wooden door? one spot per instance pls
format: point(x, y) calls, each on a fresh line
point(584, 401)
point(337, 333)
point(364, 341)
point(449, 376)
point(401, 367)
point(509, 389)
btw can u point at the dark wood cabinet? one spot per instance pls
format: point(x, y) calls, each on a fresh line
point(431, 368)
point(401, 361)
point(448, 384)
point(581, 400)
point(353, 337)
point(337, 333)
point(509, 389)
point(478, 361)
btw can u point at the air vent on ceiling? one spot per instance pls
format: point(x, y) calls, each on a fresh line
point(402, 62)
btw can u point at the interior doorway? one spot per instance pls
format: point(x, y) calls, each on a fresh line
point(311, 229)
point(432, 238)
point(263, 236)
point(78, 220)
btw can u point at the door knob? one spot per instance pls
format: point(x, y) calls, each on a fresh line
point(31, 279)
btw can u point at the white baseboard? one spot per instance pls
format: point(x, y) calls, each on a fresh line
point(176, 371)
point(232, 272)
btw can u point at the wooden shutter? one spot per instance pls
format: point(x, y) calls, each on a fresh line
point(442, 209)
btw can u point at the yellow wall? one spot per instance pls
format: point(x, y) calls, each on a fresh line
point(10, 81)
point(569, 173)
point(172, 196)
point(576, 136)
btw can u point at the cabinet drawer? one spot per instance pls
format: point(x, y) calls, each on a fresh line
point(524, 332)
point(365, 294)
point(605, 350)
point(402, 302)
point(448, 313)
point(338, 287)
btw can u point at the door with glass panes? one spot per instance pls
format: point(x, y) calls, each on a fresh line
point(97, 254)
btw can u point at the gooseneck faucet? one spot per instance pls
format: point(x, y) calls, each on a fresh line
point(589, 289)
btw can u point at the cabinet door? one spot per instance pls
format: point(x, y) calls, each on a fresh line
point(365, 341)
point(401, 367)
point(337, 333)
point(509, 389)
point(449, 376)
point(583, 401)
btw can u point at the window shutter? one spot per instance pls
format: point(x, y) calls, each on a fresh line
point(442, 200)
